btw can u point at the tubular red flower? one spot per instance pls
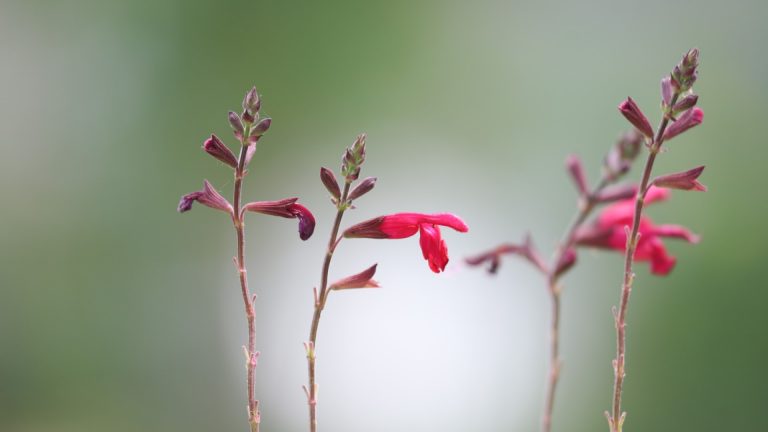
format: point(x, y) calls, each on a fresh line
point(608, 232)
point(287, 208)
point(402, 225)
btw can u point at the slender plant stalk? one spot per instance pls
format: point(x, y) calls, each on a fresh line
point(616, 417)
point(320, 298)
point(254, 417)
point(587, 205)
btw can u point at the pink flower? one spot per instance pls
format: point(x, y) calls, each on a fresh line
point(402, 225)
point(608, 232)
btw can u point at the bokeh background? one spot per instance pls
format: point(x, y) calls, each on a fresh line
point(119, 314)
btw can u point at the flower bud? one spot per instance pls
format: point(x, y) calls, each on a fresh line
point(329, 181)
point(237, 124)
point(364, 279)
point(576, 170)
point(261, 127)
point(632, 112)
point(666, 91)
point(686, 180)
point(685, 103)
point(619, 159)
point(214, 147)
point(363, 188)
point(687, 120)
point(353, 158)
point(252, 101)
point(685, 73)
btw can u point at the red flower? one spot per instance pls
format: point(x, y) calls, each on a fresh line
point(608, 232)
point(402, 225)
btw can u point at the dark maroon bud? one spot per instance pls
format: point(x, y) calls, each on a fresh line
point(329, 181)
point(632, 112)
point(686, 180)
point(576, 170)
point(363, 188)
point(214, 147)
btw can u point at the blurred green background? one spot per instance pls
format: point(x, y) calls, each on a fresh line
point(119, 314)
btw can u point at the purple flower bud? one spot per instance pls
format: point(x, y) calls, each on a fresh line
point(252, 101)
point(687, 120)
point(666, 91)
point(261, 127)
point(632, 112)
point(576, 170)
point(214, 147)
point(207, 197)
point(237, 124)
point(686, 180)
point(685, 103)
point(364, 279)
point(363, 188)
point(329, 180)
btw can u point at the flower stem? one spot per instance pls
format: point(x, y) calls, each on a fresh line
point(254, 416)
point(585, 208)
point(320, 298)
point(616, 417)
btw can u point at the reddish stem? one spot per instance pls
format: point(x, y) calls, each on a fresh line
point(320, 300)
point(254, 416)
point(587, 205)
point(616, 417)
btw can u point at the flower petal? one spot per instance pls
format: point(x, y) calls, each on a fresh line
point(306, 220)
point(433, 247)
point(676, 231)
